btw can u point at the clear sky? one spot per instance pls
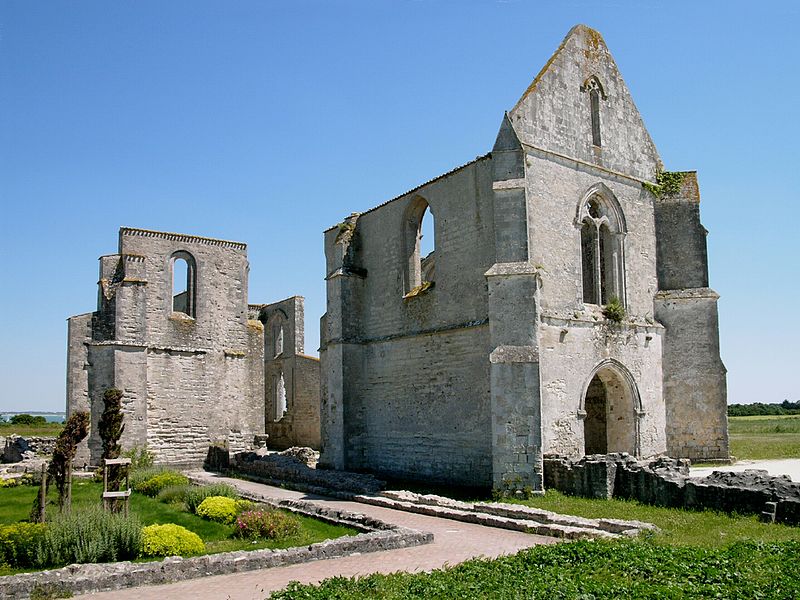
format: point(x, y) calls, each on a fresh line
point(267, 122)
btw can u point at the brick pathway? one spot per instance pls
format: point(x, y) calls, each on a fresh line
point(454, 542)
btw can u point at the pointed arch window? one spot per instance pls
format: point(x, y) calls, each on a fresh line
point(419, 247)
point(602, 229)
point(594, 88)
point(184, 283)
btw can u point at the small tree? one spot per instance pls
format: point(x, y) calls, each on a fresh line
point(60, 470)
point(110, 429)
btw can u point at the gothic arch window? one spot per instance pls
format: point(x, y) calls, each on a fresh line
point(419, 248)
point(602, 233)
point(184, 283)
point(594, 89)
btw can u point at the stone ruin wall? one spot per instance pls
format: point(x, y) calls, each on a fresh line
point(187, 381)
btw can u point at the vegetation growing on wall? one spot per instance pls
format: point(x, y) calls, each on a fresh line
point(614, 311)
point(668, 183)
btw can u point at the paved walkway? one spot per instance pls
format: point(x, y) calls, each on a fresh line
point(454, 542)
point(787, 466)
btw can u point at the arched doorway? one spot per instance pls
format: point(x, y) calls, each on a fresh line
point(611, 410)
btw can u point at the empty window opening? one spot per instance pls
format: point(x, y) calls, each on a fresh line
point(601, 252)
point(420, 247)
point(183, 284)
point(277, 336)
point(427, 247)
point(596, 93)
point(594, 97)
point(279, 397)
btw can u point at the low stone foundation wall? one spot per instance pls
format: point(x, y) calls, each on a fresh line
point(16, 448)
point(83, 579)
point(666, 482)
point(276, 469)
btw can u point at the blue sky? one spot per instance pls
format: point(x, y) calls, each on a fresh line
point(267, 122)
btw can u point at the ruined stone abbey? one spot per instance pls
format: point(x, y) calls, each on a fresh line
point(564, 309)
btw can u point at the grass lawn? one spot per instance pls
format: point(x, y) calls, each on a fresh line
point(16, 502)
point(765, 437)
point(630, 569)
point(46, 430)
point(706, 529)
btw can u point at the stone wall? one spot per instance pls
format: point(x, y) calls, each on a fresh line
point(189, 380)
point(291, 377)
point(666, 482)
point(414, 385)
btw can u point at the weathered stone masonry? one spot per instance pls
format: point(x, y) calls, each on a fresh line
point(466, 372)
point(180, 345)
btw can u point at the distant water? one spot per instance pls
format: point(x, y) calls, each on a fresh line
point(50, 417)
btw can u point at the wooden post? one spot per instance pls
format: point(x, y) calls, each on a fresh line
point(43, 495)
point(68, 496)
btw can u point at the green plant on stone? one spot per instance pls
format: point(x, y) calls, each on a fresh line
point(668, 183)
point(170, 540)
point(196, 494)
point(218, 508)
point(614, 311)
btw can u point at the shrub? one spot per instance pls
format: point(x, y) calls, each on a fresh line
point(170, 540)
point(19, 543)
point(139, 476)
point(156, 483)
point(218, 508)
point(196, 494)
point(89, 535)
point(141, 457)
point(26, 419)
point(10, 482)
point(173, 494)
point(266, 524)
point(614, 311)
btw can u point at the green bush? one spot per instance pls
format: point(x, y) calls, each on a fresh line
point(614, 311)
point(88, 536)
point(10, 482)
point(266, 524)
point(19, 543)
point(26, 419)
point(156, 483)
point(173, 494)
point(141, 457)
point(139, 476)
point(196, 494)
point(170, 540)
point(218, 508)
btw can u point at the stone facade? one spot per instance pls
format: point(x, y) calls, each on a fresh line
point(291, 377)
point(467, 365)
point(173, 331)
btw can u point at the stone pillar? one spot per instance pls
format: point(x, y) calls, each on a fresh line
point(513, 324)
point(339, 342)
point(694, 378)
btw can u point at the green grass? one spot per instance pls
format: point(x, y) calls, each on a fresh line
point(16, 502)
point(46, 430)
point(765, 437)
point(706, 529)
point(630, 569)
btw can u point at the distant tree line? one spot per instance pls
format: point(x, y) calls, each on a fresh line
point(759, 408)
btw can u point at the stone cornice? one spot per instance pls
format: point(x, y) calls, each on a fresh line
point(180, 237)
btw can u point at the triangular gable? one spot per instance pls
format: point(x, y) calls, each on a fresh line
point(555, 112)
